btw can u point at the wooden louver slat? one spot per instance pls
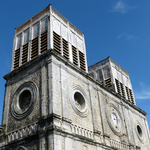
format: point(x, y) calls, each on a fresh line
point(57, 42)
point(75, 55)
point(122, 89)
point(16, 58)
point(25, 53)
point(128, 94)
point(118, 86)
point(82, 60)
point(44, 41)
point(65, 49)
point(108, 83)
point(34, 51)
point(131, 95)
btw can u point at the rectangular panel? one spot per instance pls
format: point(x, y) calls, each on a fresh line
point(44, 23)
point(80, 44)
point(100, 75)
point(64, 32)
point(18, 41)
point(26, 36)
point(35, 30)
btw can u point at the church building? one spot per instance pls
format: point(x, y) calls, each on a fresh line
point(54, 101)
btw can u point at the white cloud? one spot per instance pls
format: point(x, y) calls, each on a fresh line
point(144, 92)
point(127, 36)
point(121, 7)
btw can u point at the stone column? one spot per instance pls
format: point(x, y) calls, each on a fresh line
point(126, 123)
point(6, 105)
point(44, 102)
point(102, 111)
point(42, 142)
point(53, 75)
point(94, 116)
point(51, 140)
point(132, 127)
point(64, 93)
point(68, 144)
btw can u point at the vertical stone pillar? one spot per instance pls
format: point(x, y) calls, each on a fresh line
point(53, 75)
point(6, 105)
point(146, 132)
point(44, 102)
point(58, 142)
point(99, 148)
point(64, 93)
point(126, 123)
point(50, 104)
point(68, 144)
point(133, 127)
point(94, 116)
point(42, 142)
point(147, 129)
point(50, 141)
point(102, 111)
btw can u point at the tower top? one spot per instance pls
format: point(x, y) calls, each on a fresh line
point(48, 30)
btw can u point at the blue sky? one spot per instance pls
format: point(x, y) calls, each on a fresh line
point(116, 28)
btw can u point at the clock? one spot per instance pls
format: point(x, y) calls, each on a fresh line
point(114, 118)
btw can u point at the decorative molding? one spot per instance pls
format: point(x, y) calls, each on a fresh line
point(119, 145)
point(76, 129)
point(24, 132)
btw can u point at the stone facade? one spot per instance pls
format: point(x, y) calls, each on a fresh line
point(53, 104)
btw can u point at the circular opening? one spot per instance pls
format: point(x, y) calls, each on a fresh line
point(79, 100)
point(24, 99)
point(139, 130)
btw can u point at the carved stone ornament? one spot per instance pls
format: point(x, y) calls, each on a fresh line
point(114, 119)
point(23, 100)
point(79, 100)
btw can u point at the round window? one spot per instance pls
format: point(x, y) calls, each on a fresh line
point(139, 130)
point(24, 99)
point(79, 100)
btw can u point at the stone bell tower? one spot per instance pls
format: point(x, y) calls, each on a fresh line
point(52, 102)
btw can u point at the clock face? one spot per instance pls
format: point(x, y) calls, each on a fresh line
point(114, 118)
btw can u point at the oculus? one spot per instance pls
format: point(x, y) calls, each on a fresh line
point(79, 101)
point(23, 100)
point(139, 131)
